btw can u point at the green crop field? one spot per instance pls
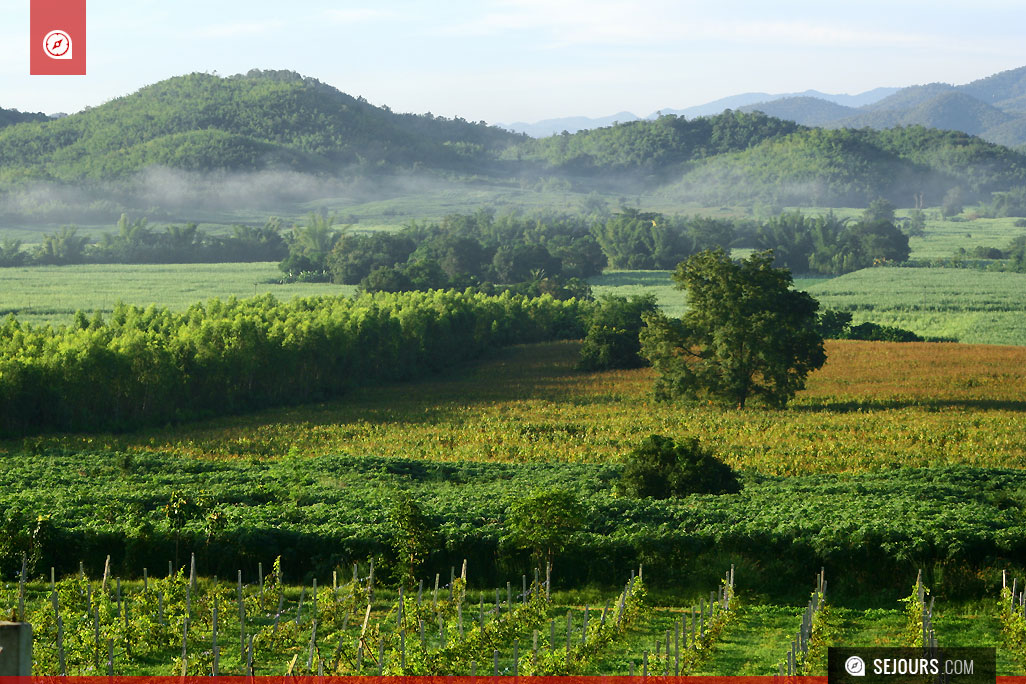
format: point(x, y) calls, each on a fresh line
point(967, 305)
point(942, 239)
point(961, 304)
point(892, 457)
point(52, 294)
point(825, 482)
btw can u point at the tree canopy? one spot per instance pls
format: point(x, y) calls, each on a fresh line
point(746, 333)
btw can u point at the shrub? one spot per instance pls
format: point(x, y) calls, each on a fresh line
point(543, 522)
point(612, 340)
point(661, 468)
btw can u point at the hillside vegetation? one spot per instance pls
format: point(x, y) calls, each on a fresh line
point(205, 127)
point(253, 121)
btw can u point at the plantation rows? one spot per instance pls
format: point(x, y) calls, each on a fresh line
point(181, 624)
point(184, 625)
point(869, 530)
point(145, 366)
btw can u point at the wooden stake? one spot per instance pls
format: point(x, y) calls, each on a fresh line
point(213, 630)
point(242, 621)
point(21, 589)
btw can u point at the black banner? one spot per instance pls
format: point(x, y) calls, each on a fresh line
point(949, 665)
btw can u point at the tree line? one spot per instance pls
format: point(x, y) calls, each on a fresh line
point(543, 253)
point(135, 242)
point(559, 250)
point(152, 366)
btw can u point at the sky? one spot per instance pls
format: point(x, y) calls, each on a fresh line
point(524, 60)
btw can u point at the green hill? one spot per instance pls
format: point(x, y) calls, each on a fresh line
point(658, 146)
point(848, 167)
point(818, 167)
point(259, 120)
point(999, 88)
point(951, 110)
point(281, 120)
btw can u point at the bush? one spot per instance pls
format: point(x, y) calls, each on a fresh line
point(543, 522)
point(612, 340)
point(661, 468)
point(882, 333)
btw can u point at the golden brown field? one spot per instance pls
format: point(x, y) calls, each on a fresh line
point(874, 405)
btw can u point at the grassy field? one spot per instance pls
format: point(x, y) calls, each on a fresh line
point(966, 305)
point(942, 239)
point(972, 306)
point(630, 283)
point(962, 304)
point(52, 294)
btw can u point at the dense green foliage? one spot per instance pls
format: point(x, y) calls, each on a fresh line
point(257, 120)
point(309, 248)
point(9, 117)
point(658, 146)
point(836, 325)
point(853, 167)
point(281, 120)
point(612, 340)
point(647, 240)
point(544, 523)
point(829, 245)
point(1009, 203)
point(660, 467)
point(153, 365)
point(871, 530)
point(746, 333)
point(467, 250)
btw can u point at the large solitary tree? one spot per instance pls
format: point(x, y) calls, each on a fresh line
point(746, 334)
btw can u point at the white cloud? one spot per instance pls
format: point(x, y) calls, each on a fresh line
point(357, 15)
point(239, 29)
point(657, 23)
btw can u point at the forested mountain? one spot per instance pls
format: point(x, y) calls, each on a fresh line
point(281, 120)
point(852, 167)
point(738, 157)
point(258, 120)
point(654, 147)
point(1004, 90)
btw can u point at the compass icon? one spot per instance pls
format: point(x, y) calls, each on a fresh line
point(57, 45)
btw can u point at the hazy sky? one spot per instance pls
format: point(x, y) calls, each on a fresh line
point(510, 60)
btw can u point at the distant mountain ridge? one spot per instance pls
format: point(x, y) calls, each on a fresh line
point(573, 124)
point(993, 108)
